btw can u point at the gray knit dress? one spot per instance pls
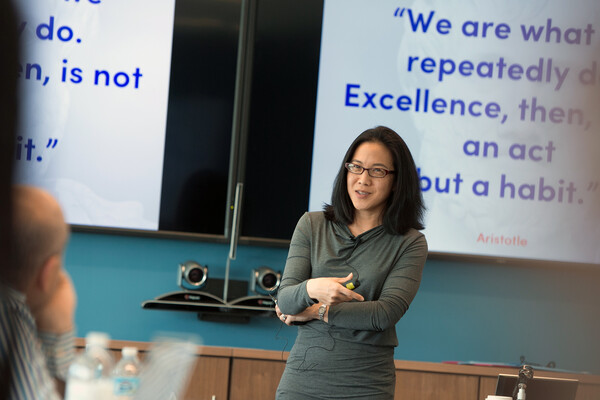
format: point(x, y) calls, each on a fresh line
point(351, 356)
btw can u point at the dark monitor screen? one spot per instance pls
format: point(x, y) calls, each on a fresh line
point(539, 388)
point(282, 116)
point(199, 118)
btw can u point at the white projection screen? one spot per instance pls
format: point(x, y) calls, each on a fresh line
point(498, 102)
point(94, 79)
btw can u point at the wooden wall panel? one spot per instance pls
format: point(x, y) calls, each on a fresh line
point(411, 385)
point(487, 385)
point(209, 379)
point(587, 392)
point(255, 379)
point(251, 374)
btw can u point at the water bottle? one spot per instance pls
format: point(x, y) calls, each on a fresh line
point(89, 376)
point(126, 375)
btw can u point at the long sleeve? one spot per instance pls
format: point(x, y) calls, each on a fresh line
point(59, 351)
point(388, 267)
point(21, 348)
point(292, 296)
point(398, 291)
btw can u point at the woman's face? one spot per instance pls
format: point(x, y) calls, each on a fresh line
point(369, 195)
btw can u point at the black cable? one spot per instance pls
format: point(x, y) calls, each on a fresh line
point(313, 365)
point(277, 337)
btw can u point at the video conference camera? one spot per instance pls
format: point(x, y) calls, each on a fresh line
point(192, 276)
point(264, 280)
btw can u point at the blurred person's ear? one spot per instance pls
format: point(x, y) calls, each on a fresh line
point(48, 275)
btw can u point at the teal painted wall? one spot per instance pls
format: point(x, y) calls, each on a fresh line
point(463, 311)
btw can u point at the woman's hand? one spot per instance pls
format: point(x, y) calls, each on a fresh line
point(331, 291)
point(308, 314)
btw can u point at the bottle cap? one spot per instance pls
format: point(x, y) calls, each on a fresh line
point(129, 351)
point(97, 338)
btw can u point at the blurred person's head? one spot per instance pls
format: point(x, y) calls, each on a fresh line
point(40, 235)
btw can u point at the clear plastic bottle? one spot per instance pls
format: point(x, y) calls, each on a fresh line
point(89, 376)
point(126, 375)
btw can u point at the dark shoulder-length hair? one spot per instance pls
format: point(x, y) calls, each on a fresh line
point(405, 207)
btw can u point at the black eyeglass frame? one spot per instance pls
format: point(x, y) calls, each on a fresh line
point(349, 165)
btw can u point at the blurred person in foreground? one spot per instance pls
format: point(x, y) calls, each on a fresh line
point(37, 301)
point(9, 49)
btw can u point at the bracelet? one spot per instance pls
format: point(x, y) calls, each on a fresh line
point(322, 310)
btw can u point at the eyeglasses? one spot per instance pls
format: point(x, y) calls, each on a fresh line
point(373, 172)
